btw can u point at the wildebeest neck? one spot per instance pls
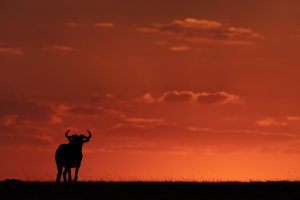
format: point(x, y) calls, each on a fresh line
point(75, 146)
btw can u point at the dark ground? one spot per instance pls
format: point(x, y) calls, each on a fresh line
point(150, 190)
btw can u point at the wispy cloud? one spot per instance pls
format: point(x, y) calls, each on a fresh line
point(72, 24)
point(293, 118)
point(11, 51)
point(86, 110)
point(197, 139)
point(270, 122)
point(24, 137)
point(62, 49)
point(179, 48)
point(104, 25)
point(283, 121)
point(13, 111)
point(192, 97)
point(203, 30)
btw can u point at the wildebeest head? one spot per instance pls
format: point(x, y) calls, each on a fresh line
point(78, 139)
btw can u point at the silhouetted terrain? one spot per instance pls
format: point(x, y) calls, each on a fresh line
point(150, 190)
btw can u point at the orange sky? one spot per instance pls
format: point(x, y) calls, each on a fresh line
point(171, 89)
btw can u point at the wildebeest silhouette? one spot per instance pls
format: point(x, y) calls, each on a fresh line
point(69, 156)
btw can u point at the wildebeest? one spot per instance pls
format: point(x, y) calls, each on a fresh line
point(69, 156)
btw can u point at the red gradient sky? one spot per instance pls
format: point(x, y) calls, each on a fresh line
point(171, 89)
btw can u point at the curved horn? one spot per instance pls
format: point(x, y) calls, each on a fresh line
point(90, 134)
point(66, 134)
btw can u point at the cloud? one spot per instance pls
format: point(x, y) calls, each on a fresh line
point(270, 122)
point(104, 25)
point(167, 137)
point(138, 146)
point(179, 48)
point(218, 97)
point(96, 104)
point(135, 121)
point(62, 49)
point(284, 121)
point(197, 23)
point(147, 98)
point(177, 96)
point(203, 30)
point(119, 117)
point(138, 122)
point(106, 100)
point(72, 24)
point(14, 111)
point(109, 107)
point(203, 98)
point(9, 120)
point(293, 118)
point(85, 110)
point(25, 122)
point(56, 120)
point(110, 116)
point(144, 120)
point(11, 51)
point(40, 140)
point(20, 134)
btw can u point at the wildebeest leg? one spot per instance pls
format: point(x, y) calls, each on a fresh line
point(76, 173)
point(65, 173)
point(59, 171)
point(69, 175)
